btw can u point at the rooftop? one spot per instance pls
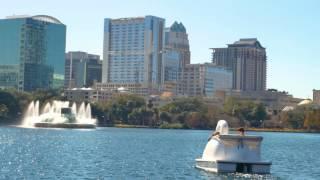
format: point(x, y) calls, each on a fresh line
point(178, 27)
point(132, 18)
point(247, 42)
point(44, 18)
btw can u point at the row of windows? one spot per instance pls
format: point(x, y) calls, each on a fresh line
point(126, 35)
point(137, 29)
point(127, 73)
point(133, 40)
point(127, 46)
point(125, 80)
point(117, 43)
point(118, 37)
point(125, 68)
point(125, 32)
point(127, 49)
point(128, 57)
point(124, 61)
point(133, 25)
point(127, 61)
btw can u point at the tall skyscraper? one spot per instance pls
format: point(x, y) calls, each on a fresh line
point(176, 55)
point(133, 50)
point(248, 61)
point(176, 39)
point(82, 69)
point(31, 51)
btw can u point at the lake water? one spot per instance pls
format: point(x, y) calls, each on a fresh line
point(114, 153)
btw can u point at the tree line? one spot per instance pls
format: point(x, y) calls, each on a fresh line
point(189, 113)
point(302, 117)
point(192, 113)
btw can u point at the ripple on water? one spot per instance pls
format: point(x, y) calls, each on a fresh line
point(113, 153)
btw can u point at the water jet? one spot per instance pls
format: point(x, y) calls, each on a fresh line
point(59, 114)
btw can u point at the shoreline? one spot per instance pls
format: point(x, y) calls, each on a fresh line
point(284, 130)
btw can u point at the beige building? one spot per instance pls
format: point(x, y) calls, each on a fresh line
point(204, 80)
point(316, 96)
point(134, 88)
point(248, 61)
point(88, 94)
point(133, 50)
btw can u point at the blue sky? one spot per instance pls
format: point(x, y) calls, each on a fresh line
point(289, 29)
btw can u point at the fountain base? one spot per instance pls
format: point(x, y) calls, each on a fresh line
point(65, 125)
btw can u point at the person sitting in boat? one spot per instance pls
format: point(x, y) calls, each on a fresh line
point(215, 134)
point(241, 131)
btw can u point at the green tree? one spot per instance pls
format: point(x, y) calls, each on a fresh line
point(312, 119)
point(196, 120)
point(156, 117)
point(185, 105)
point(259, 114)
point(165, 117)
point(135, 117)
point(3, 111)
point(12, 104)
point(250, 111)
point(121, 106)
point(293, 119)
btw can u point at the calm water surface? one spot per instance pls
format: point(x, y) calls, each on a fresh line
point(112, 153)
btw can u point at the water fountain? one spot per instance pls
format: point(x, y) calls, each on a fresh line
point(59, 114)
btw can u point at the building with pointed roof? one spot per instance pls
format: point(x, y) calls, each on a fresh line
point(178, 27)
point(176, 55)
point(176, 39)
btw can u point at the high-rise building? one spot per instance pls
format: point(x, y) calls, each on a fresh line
point(133, 50)
point(31, 51)
point(172, 66)
point(176, 56)
point(204, 80)
point(176, 39)
point(316, 96)
point(247, 59)
point(82, 69)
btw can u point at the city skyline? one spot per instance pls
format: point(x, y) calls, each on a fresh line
point(289, 37)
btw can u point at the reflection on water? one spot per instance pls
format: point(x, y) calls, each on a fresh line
point(113, 153)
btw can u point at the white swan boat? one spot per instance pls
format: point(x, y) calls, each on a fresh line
point(229, 153)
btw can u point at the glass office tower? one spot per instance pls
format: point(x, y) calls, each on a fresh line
point(82, 69)
point(31, 52)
